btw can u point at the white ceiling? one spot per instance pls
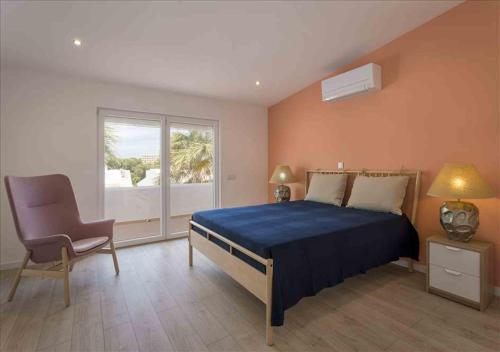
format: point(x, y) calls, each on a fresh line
point(216, 49)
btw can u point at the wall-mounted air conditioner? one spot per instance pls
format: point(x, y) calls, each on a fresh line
point(361, 80)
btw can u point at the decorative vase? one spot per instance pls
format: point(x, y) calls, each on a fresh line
point(282, 193)
point(460, 220)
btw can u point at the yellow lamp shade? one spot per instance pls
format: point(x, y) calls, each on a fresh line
point(460, 181)
point(281, 175)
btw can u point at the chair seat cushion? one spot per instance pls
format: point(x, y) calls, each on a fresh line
point(89, 243)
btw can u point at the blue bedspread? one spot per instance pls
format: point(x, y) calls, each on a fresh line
point(313, 245)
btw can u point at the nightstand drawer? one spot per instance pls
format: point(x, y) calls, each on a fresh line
point(455, 282)
point(458, 259)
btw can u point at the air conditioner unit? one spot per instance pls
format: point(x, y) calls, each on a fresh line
point(361, 80)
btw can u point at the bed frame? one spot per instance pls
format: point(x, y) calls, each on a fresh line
point(261, 284)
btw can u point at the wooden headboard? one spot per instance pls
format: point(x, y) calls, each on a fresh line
point(410, 203)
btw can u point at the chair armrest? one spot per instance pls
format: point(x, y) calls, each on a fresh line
point(94, 229)
point(48, 248)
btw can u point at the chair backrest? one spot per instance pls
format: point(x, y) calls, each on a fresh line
point(42, 205)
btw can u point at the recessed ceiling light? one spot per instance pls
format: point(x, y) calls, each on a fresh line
point(257, 83)
point(77, 42)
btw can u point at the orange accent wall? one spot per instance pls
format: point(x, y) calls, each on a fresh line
point(439, 103)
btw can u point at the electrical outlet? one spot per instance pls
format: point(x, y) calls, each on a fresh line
point(340, 165)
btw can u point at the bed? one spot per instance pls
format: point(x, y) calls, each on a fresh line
point(283, 252)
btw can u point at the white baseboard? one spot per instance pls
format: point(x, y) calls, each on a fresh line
point(417, 266)
point(402, 262)
point(17, 264)
point(10, 265)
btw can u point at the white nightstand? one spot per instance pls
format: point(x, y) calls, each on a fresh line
point(461, 271)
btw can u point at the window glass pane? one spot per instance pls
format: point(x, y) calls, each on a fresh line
point(191, 168)
point(132, 176)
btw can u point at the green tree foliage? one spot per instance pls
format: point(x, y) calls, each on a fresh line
point(136, 167)
point(191, 157)
point(109, 142)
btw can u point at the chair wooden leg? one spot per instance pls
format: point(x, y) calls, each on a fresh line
point(115, 259)
point(18, 276)
point(65, 264)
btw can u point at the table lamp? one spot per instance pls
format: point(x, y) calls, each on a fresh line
point(459, 181)
point(281, 175)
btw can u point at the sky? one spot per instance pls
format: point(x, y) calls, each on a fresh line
point(135, 141)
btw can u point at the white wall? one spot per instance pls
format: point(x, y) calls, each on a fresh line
point(49, 125)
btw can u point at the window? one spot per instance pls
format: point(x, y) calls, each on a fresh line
point(136, 151)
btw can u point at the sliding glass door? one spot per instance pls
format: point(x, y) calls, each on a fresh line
point(193, 170)
point(155, 171)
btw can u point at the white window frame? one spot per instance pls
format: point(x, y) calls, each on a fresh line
point(165, 120)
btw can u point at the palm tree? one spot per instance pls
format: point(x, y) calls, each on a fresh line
point(110, 140)
point(191, 157)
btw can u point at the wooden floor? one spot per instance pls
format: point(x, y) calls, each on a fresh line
point(158, 303)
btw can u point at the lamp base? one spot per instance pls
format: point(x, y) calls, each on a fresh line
point(460, 220)
point(282, 193)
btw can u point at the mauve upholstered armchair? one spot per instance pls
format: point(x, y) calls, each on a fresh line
point(49, 226)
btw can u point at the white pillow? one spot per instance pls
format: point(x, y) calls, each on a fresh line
point(385, 193)
point(327, 188)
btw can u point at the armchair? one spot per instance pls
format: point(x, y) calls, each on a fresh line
point(48, 224)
